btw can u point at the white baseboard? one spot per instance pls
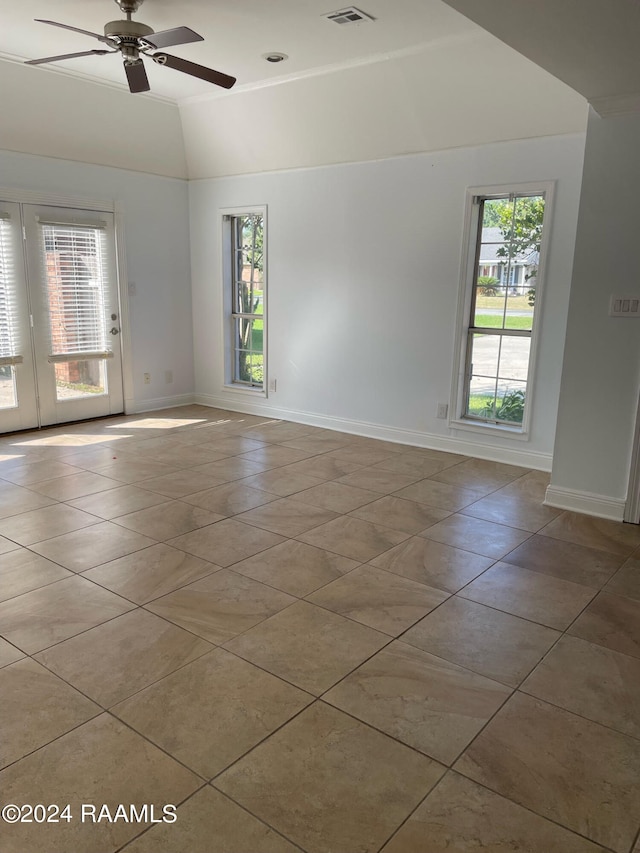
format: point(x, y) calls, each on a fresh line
point(135, 407)
point(587, 503)
point(508, 455)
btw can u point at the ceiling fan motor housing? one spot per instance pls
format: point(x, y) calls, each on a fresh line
point(127, 30)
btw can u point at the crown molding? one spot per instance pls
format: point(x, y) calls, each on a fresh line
point(609, 106)
point(87, 78)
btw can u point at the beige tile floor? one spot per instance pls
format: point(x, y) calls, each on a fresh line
point(309, 641)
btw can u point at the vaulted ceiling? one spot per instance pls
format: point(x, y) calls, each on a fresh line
point(421, 76)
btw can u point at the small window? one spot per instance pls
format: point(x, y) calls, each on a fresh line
point(502, 301)
point(245, 286)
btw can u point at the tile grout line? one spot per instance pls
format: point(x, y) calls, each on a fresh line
point(320, 697)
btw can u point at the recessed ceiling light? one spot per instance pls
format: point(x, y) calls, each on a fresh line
point(275, 57)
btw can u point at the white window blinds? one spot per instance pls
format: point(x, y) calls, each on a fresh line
point(9, 344)
point(75, 270)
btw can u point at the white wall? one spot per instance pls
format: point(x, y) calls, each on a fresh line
point(155, 213)
point(460, 92)
point(364, 267)
point(49, 113)
point(601, 371)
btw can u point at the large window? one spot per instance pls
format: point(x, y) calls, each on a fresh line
point(502, 301)
point(245, 282)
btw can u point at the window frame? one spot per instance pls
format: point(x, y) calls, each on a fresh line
point(470, 255)
point(227, 215)
point(9, 324)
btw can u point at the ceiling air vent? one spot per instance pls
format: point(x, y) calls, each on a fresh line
point(351, 15)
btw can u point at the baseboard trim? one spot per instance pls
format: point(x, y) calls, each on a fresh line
point(587, 503)
point(510, 456)
point(136, 407)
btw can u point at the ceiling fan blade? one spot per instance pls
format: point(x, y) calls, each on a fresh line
point(194, 69)
point(167, 38)
point(137, 76)
point(75, 30)
point(68, 56)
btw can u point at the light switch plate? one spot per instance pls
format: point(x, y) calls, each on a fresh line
point(624, 306)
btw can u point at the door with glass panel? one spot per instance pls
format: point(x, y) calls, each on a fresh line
point(18, 397)
point(67, 297)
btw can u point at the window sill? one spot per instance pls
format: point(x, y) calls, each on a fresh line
point(504, 431)
point(244, 390)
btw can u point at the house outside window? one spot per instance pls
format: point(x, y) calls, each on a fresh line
point(500, 307)
point(244, 276)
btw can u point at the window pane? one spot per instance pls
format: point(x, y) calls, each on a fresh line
point(8, 321)
point(514, 358)
point(492, 210)
point(248, 289)
point(510, 400)
point(8, 394)
point(248, 293)
point(490, 307)
point(250, 367)
point(485, 358)
point(485, 355)
point(256, 368)
point(248, 334)
point(508, 262)
point(519, 314)
point(490, 280)
point(493, 273)
point(75, 285)
point(482, 395)
point(249, 355)
point(75, 379)
point(497, 387)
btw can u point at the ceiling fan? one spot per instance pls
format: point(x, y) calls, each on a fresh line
point(132, 39)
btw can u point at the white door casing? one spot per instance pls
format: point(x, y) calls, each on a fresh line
point(68, 313)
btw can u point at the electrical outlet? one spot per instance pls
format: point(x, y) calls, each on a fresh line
point(273, 384)
point(168, 376)
point(147, 379)
point(443, 411)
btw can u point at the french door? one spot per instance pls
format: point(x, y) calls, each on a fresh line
point(60, 356)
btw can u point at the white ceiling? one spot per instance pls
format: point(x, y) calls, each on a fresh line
point(237, 33)
point(592, 45)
